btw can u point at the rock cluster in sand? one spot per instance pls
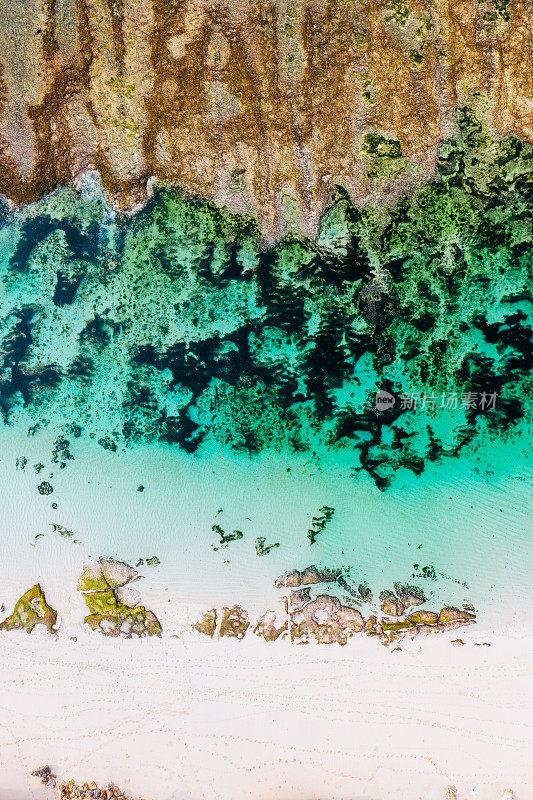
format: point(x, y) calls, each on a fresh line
point(31, 610)
point(326, 620)
point(72, 791)
point(113, 604)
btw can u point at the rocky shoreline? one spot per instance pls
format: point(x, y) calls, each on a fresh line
point(260, 108)
point(324, 619)
point(299, 615)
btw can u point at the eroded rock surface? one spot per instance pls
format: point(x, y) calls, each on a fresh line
point(208, 623)
point(325, 620)
point(234, 622)
point(303, 617)
point(262, 107)
point(31, 610)
point(113, 605)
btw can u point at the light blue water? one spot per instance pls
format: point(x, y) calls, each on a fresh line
point(238, 386)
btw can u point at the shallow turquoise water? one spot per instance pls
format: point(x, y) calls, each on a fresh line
point(168, 350)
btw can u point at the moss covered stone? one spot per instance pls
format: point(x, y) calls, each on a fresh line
point(31, 610)
point(113, 609)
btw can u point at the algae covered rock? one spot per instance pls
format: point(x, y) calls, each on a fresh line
point(114, 609)
point(31, 610)
point(208, 624)
point(104, 574)
point(424, 617)
point(451, 617)
point(271, 626)
point(234, 622)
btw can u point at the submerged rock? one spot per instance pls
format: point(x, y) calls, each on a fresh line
point(410, 595)
point(31, 610)
point(261, 549)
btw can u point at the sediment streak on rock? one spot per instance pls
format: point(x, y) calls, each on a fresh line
point(261, 106)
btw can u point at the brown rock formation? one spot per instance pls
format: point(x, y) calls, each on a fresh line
point(310, 575)
point(455, 617)
point(113, 605)
point(392, 605)
point(326, 620)
point(290, 579)
point(424, 618)
point(208, 624)
point(271, 626)
point(262, 106)
point(234, 622)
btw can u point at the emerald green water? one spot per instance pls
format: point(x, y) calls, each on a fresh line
point(171, 331)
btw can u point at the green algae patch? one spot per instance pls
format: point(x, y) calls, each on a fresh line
point(114, 609)
point(397, 625)
point(31, 610)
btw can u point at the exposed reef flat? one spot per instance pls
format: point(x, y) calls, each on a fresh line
point(175, 326)
point(262, 107)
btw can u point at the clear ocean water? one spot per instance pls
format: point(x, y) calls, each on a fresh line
point(163, 375)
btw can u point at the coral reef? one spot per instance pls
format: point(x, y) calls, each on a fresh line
point(31, 610)
point(113, 605)
point(178, 327)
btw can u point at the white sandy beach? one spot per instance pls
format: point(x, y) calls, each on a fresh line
point(184, 719)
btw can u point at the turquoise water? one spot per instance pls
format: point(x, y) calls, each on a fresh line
point(168, 350)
